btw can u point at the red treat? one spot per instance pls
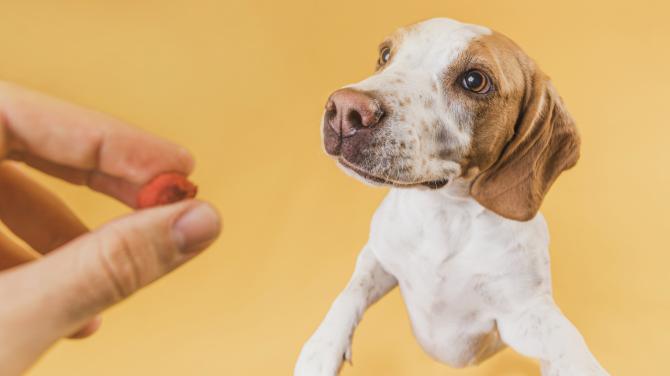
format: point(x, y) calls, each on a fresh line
point(165, 189)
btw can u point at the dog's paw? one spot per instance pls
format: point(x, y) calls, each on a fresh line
point(323, 356)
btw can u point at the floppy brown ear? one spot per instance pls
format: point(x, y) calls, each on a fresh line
point(545, 143)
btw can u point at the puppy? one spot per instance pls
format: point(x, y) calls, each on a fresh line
point(469, 134)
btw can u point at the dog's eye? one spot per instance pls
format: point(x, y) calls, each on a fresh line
point(384, 55)
point(476, 81)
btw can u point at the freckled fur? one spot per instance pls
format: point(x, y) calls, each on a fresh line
point(473, 278)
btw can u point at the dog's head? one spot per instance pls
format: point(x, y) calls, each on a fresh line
point(452, 101)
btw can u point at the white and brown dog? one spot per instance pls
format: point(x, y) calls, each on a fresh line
point(470, 135)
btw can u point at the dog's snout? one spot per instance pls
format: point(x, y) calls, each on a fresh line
point(348, 110)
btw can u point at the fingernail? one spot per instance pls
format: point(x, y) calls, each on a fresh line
point(199, 225)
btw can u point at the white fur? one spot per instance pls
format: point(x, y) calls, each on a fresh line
point(415, 69)
point(472, 280)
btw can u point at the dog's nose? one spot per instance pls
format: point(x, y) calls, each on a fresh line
point(348, 110)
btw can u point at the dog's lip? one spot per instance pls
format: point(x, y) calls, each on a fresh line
point(433, 184)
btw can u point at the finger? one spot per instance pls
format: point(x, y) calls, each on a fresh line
point(35, 214)
point(53, 297)
point(36, 126)
point(12, 254)
point(88, 329)
point(109, 185)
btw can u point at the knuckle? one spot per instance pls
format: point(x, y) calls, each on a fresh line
point(121, 267)
point(132, 259)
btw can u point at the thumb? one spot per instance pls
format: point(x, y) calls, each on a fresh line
point(52, 297)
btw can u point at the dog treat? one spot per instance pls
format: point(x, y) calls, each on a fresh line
point(165, 189)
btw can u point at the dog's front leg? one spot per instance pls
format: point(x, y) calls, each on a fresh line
point(541, 331)
point(330, 345)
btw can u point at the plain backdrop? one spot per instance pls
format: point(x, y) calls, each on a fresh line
point(242, 84)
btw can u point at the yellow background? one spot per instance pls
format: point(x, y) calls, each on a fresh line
point(242, 84)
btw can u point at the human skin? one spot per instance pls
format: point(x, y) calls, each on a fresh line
point(81, 272)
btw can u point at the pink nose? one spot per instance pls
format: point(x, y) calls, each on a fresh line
point(348, 110)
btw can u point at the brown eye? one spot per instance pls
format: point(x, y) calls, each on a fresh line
point(384, 55)
point(476, 81)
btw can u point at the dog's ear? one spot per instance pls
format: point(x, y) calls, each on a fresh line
point(545, 143)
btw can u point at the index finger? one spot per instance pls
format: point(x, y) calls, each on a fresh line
point(64, 139)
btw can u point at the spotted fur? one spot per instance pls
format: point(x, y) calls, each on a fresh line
point(473, 272)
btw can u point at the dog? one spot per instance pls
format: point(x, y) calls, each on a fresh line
point(470, 135)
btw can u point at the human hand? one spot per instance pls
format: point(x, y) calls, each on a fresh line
point(82, 272)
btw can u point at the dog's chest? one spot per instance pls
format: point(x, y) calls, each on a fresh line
point(426, 242)
point(455, 264)
point(442, 246)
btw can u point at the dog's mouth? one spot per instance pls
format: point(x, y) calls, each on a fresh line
point(432, 184)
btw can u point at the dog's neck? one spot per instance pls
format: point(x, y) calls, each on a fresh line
point(455, 196)
point(458, 189)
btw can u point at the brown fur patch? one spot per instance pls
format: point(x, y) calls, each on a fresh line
point(523, 138)
point(492, 116)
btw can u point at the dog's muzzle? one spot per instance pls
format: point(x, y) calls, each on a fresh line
point(349, 112)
